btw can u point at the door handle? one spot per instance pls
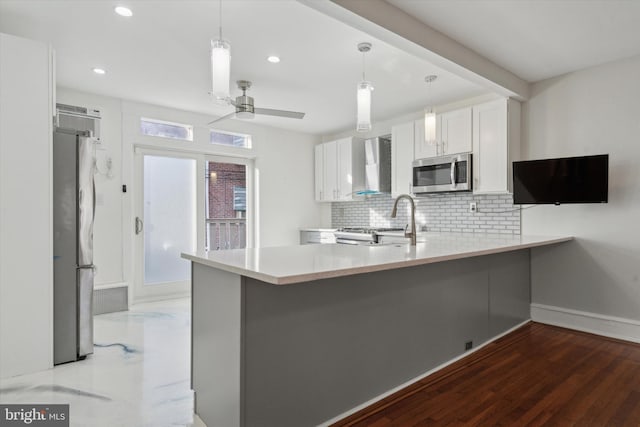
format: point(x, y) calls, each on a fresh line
point(139, 225)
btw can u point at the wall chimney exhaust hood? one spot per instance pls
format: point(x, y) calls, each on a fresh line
point(377, 167)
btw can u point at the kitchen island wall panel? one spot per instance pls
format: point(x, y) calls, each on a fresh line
point(313, 350)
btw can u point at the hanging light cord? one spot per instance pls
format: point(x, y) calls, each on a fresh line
point(363, 66)
point(220, 14)
point(429, 96)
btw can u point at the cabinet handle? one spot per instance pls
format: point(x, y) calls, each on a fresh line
point(444, 147)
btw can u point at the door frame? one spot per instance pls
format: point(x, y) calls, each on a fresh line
point(138, 293)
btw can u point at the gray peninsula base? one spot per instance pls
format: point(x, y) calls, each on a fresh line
point(301, 354)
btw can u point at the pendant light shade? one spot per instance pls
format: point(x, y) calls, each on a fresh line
point(364, 106)
point(365, 88)
point(220, 64)
point(430, 127)
point(430, 118)
point(220, 68)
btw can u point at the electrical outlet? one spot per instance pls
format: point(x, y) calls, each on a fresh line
point(473, 207)
point(468, 345)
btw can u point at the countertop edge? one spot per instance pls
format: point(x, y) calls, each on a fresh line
point(300, 278)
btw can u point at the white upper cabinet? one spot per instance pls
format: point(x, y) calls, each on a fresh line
point(496, 144)
point(454, 133)
point(402, 155)
point(337, 164)
point(421, 149)
point(344, 189)
point(319, 172)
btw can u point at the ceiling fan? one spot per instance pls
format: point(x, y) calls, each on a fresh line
point(245, 109)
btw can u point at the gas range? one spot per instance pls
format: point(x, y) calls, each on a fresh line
point(361, 235)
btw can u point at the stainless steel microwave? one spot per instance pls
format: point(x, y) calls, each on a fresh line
point(442, 174)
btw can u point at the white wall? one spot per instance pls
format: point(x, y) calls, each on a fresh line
point(283, 160)
point(26, 243)
point(379, 128)
point(593, 111)
point(107, 231)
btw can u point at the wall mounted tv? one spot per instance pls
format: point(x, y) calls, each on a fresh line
point(563, 180)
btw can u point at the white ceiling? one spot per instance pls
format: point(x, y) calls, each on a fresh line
point(536, 39)
point(161, 54)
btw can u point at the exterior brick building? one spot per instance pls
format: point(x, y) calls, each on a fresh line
point(223, 177)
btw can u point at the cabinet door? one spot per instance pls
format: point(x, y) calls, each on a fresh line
point(330, 179)
point(456, 131)
point(490, 151)
point(319, 172)
point(421, 149)
point(345, 178)
point(402, 141)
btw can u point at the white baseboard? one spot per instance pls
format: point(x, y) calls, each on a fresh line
point(608, 326)
point(418, 378)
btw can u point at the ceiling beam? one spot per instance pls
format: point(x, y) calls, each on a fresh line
point(392, 25)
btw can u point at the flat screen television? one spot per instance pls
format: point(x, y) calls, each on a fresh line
point(563, 180)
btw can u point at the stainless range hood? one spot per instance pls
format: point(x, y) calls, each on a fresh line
point(377, 168)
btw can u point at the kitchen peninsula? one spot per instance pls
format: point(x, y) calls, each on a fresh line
point(297, 335)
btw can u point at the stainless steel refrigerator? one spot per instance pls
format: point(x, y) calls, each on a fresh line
point(73, 269)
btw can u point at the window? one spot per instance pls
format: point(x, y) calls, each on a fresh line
point(152, 127)
point(231, 139)
point(239, 198)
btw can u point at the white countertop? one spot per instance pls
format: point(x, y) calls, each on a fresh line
point(284, 265)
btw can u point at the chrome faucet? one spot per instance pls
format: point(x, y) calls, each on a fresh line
point(412, 234)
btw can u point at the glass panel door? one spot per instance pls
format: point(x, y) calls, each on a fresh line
point(166, 225)
point(169, 216)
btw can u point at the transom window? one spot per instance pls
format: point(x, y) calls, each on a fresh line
point(230, 139)
point(163, 129)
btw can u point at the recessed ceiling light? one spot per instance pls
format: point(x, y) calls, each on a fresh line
point(273, 59)
point(123, 11)
point(99, 71)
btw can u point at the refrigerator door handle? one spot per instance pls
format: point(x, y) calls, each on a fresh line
point(139, 225)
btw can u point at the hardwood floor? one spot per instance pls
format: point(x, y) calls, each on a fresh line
point(539, 375)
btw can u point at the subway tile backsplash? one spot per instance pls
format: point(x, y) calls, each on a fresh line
point(437, 212)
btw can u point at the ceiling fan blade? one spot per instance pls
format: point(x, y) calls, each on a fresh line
point(279, 113)
point(227, 116)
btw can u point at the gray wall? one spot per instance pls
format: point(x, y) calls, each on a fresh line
point(441, 212)
point(592, 111)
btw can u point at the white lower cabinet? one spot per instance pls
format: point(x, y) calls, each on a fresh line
point(496, 144)
point(402, 143)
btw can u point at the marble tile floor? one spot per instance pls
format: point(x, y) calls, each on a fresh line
point(138, 374)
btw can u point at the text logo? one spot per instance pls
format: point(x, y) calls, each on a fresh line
point(34, 415)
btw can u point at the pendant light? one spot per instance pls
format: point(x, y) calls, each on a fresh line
point(430, 116)
point(364, 95)
point(220, 65)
